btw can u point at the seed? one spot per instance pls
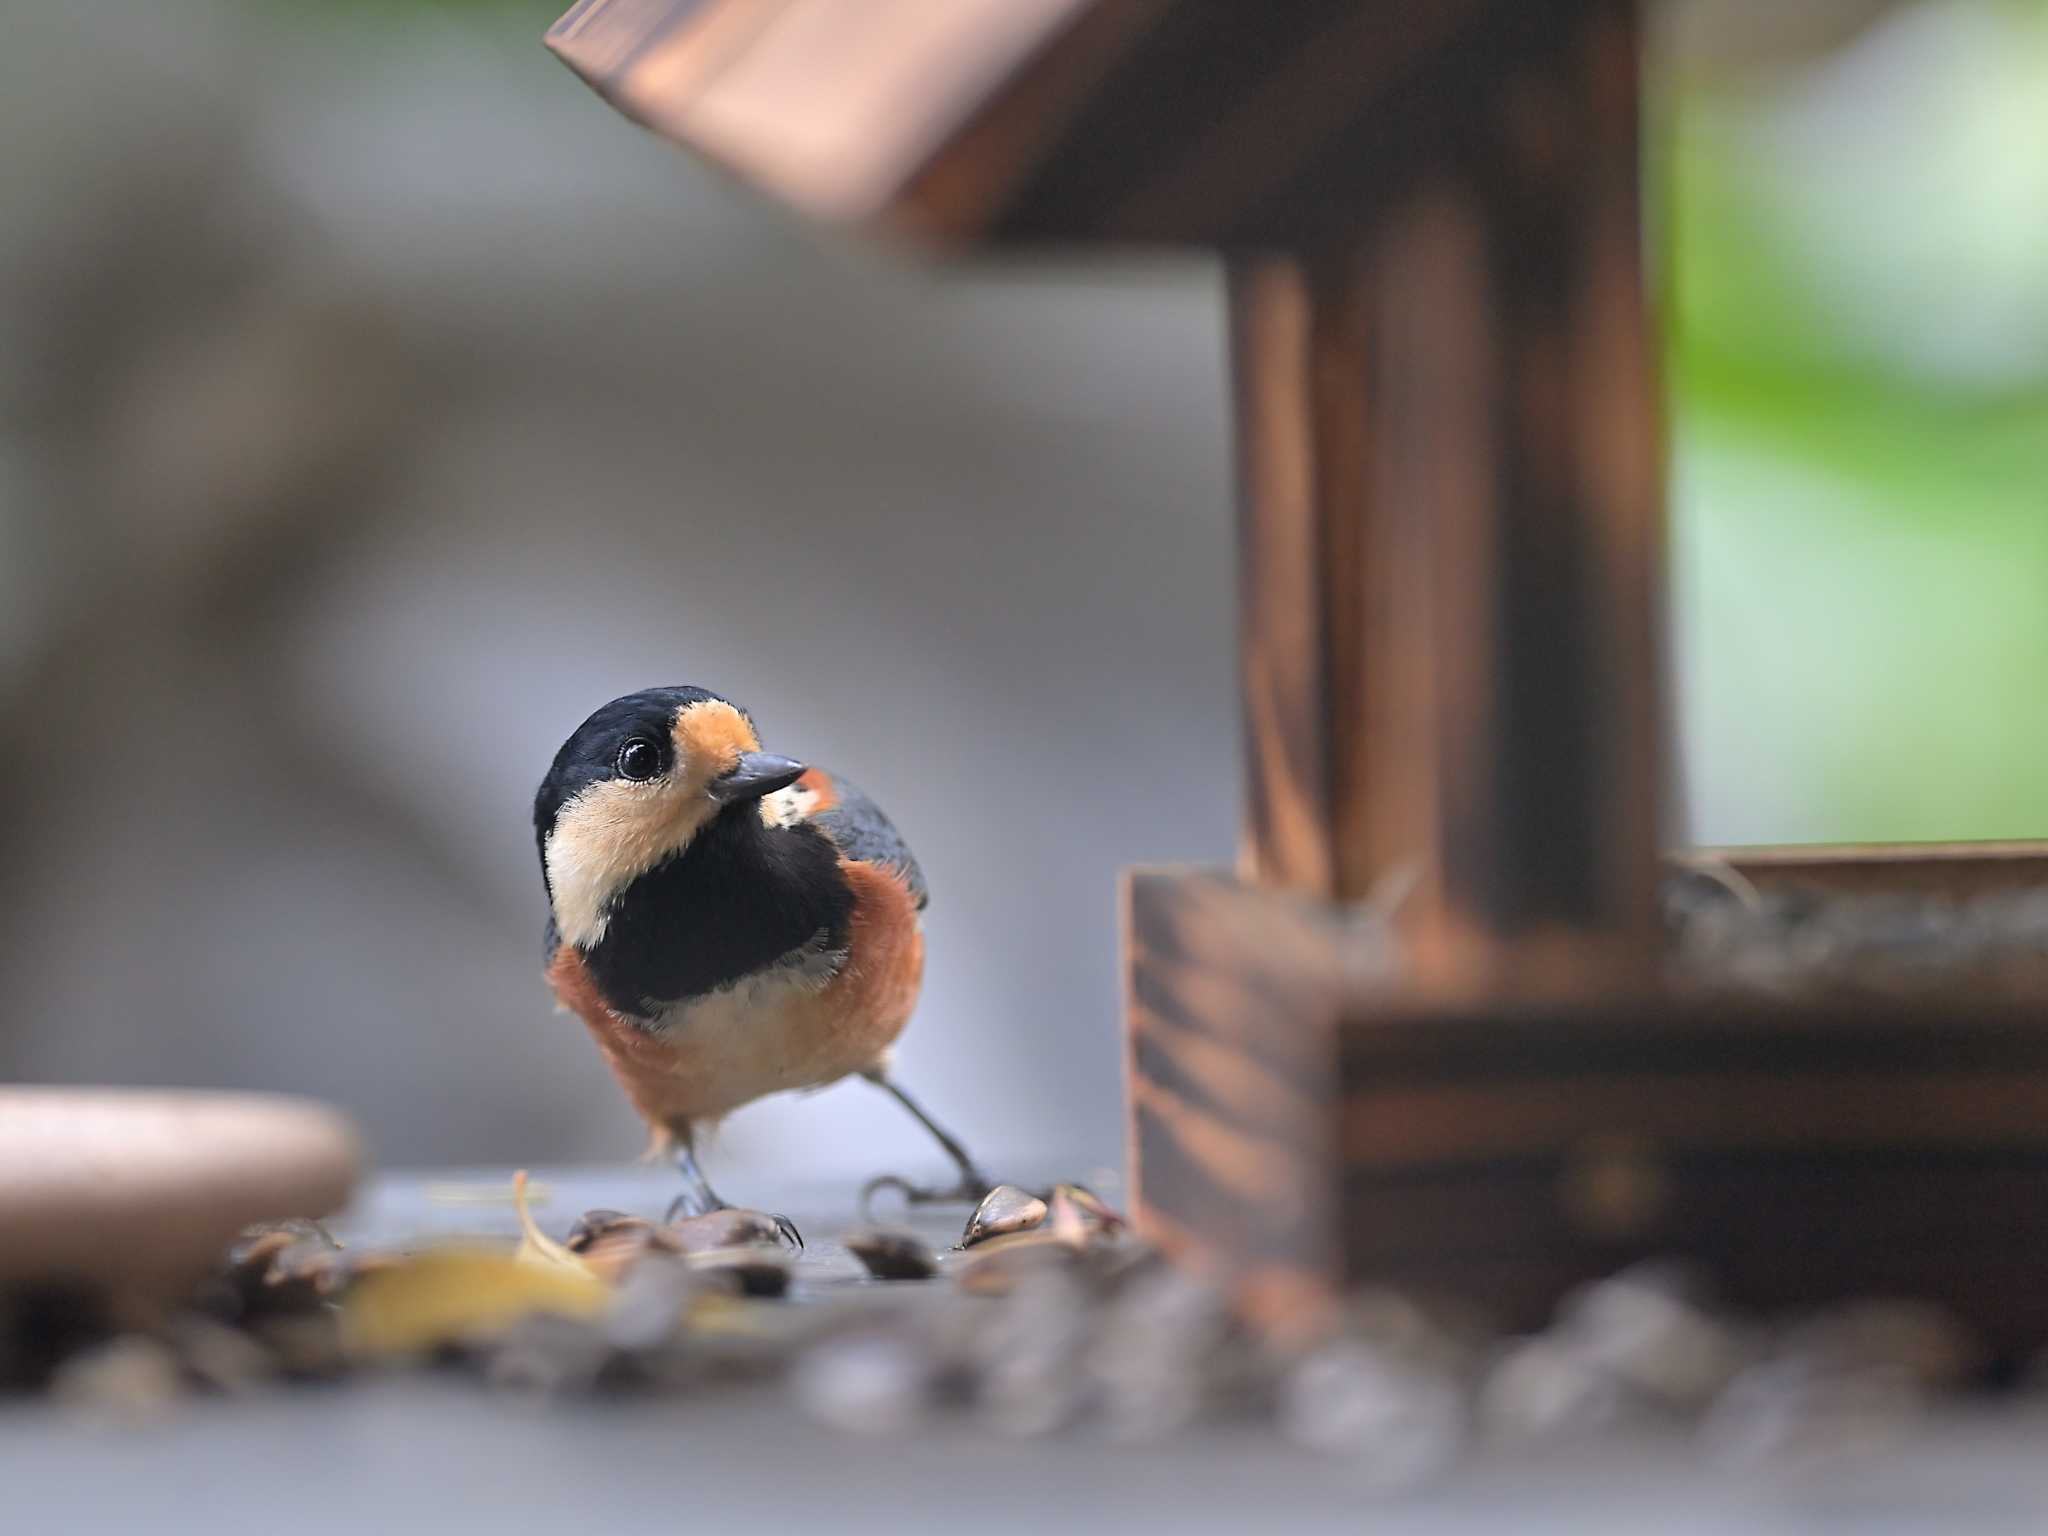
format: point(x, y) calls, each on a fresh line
point(864, 1384)
point(891, 1255)
point(1643, 1327)
point(994, 1267)
point(220, 1358)
point(651, 1301)
point(1540, 1390)
point(1157, 1350)
point(127, 1380)
point(307, 1346)
point(1923, 1340)
point(1399, 1423)
point(730, 1228)
point(1788, 1415)
point(1003, 1210)
point(592, 1227)
point(752, 1269)
point(1027, 1353)
point(1075, 1206)
point(547, 1352)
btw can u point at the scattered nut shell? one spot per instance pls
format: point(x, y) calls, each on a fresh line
point(731, 1228)
point(220, 1358)
point(865, 1384)
point(993, 1267)
point(594, 1226)
point(891, 1255)
point(1088, 1206)
point(1003, 1210)
point(130, 1379)
point(753, 1269)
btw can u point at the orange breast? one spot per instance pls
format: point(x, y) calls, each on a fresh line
point(755, 1040)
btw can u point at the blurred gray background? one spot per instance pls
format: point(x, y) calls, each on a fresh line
point(374, 402)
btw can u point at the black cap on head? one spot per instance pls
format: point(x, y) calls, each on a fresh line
point(592, 751)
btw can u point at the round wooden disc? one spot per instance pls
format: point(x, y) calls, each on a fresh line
point(144, 1191)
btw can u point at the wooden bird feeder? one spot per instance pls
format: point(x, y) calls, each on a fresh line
point(1451, 606)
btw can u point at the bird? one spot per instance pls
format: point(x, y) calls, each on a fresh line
point(728, 923)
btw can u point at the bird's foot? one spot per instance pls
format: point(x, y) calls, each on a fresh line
point(689, 1204)
point(969, 1190)
point(736, 1224)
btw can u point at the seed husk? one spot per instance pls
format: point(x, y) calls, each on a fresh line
point(993, 1267)
point(1088, 1206)
point(875, 1384)
point(752, 1269)
point(1925, 1341)
point(547, 1353)
point(651, 1302)
point(596, 1225)
point(127, 1380)
point(1400, 1423)
point(731, 1228)
point(1003, 1210)
point(218, 1357)
point(1539, 1390)
point(306, 1346)
point(891, 1255)
point(1649, 1328)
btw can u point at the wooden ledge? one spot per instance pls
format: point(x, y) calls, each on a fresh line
point(1959, 870)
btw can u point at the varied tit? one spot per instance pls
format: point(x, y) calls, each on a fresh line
point(727, 922)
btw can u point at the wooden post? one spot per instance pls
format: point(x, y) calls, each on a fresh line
point(1451, 487)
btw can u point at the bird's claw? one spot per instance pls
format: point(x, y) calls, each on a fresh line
point(686, 1207)
point(969, 1191)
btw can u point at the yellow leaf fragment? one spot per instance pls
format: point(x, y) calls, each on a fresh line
point(456, 1294)
point(535, 1246)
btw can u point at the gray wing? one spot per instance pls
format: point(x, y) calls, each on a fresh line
point(864, 834)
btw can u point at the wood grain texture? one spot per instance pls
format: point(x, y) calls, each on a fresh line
point(1450, 474)
point(1033, 122)
point(1496, 1155)
point(849, 112)
point(1234, 998)
point(1800, 1153)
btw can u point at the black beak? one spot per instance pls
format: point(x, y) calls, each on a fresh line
point(758, 774)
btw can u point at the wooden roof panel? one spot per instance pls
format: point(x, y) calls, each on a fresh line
point(835, 107)
point(1022, 122)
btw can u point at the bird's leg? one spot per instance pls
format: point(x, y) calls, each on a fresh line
point(973, 1183)
point(700, 1199)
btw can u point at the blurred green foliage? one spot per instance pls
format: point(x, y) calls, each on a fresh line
point(1857, 323)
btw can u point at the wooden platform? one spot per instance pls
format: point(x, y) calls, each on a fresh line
point(1302, 1120)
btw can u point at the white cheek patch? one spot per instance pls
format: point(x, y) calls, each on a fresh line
point(788, 806)
point(608, 836)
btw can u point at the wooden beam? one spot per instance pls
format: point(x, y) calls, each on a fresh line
point(1451, 477)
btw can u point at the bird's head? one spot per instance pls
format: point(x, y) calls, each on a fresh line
point(635, 783)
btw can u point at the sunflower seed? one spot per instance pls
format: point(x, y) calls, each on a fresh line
point(1004, 1209)
point(891, 1255)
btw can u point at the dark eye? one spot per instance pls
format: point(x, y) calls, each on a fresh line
point(639, 759)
